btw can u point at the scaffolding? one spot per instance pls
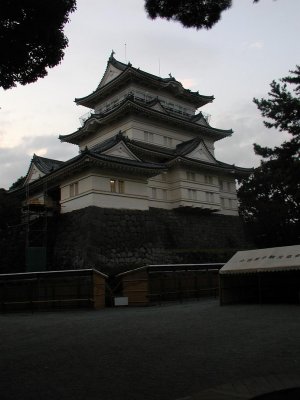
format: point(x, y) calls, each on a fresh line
point(35, 212)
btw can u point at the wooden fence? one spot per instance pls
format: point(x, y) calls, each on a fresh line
point(52, 290)
point(159, 283)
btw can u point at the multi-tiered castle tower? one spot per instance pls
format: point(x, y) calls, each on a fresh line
point(142, 144)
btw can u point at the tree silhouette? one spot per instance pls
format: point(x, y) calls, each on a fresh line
point(270, 197)
point(190, 13)
point(31, 38)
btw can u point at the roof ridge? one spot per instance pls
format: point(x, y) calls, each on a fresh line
point(45, 158)
point(124, 67)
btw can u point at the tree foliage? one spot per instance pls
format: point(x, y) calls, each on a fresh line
point(18, 183)
point(9, 210)
point(31, 38)
point(12, 234)
point(190, 13)
point(270, 197)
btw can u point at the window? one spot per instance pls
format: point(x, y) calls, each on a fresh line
point(164, 194)
point(153, 193)
point(74, 189)
point(167, 141)
point(192, 194)
point(190, 176)
point(113, 185)
point(148, 137)
point(209, 197)
point(221, 184)
point(230, 203)
point(117, 186)
point(229, 186)
point(121, 186)
point(164, 177)
point(208, 179)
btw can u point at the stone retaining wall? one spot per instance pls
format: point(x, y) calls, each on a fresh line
point(114, 240)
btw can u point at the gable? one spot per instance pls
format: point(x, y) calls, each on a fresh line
point(201, 153)
point(202, 121)
point(157, 106)
point(111, 73)
point(33, 174)
point(122, 151)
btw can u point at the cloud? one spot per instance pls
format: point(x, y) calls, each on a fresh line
point(256, 45)
point(41, 152)
point(188, 83)
point(248, 128)
point(15, 160)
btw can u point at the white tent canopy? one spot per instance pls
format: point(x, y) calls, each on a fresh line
point(264, 260)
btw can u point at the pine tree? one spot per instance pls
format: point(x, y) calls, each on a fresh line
point(31, 38)
point(190, 13)
point(270, 197)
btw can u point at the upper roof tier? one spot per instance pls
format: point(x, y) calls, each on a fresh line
point(118, 74)
point(46, 165)
point(131, 105)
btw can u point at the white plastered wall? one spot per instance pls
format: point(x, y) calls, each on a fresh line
point(228, 195)
point(135, 128)
point(94, 189)
point(191, 188)
point(106, 132)
point(162, 130)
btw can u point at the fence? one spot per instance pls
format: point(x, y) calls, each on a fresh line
point(159, 283)
point(52, 290)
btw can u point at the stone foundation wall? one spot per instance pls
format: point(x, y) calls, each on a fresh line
point(113, 240)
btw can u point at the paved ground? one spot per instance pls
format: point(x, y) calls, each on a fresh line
point(194, 350)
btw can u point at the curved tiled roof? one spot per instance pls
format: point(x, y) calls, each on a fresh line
point(46, 165)
point(88, 158)
point(128, 70)
point(221, 166)
point(55, 170)
point(106, 144)
point(133, 105)
point(188, 146)
point(171, 156)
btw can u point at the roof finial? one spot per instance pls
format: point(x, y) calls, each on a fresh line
point(112, 55)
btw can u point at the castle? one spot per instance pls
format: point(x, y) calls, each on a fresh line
point(142, 145)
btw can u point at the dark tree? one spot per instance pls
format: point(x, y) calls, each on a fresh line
point(18, 183)
point(270, 197)
point(9, 209)
point(12, 234)
point(190, 13)
point(31, 38)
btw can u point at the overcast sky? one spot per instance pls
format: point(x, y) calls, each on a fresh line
point(234, 61)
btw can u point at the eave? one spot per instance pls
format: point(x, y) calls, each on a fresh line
point(147, 148)
point(131, 74)
point(218, 166)
point(88, 160)
point(129, 105)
